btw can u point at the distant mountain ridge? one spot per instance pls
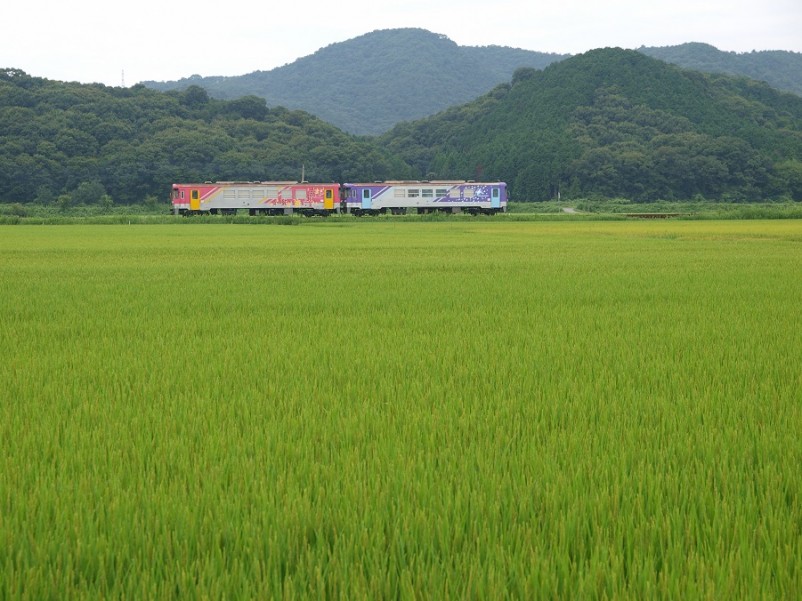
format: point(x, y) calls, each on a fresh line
point(368, 84)
point(780, 69)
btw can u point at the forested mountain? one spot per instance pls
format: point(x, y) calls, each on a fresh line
point(368, 84)
point(608, 123)
point(779, 68)
point(613, 123)
point(82, 142)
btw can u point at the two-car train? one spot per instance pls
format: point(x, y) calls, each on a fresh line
point(287, 198)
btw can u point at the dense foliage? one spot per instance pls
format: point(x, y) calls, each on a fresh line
point(70, 142)
point(609, 123)
point(779, 68)
point(617, 123)
point(368, 84)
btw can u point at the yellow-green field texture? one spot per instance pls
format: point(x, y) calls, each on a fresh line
point(470, 409)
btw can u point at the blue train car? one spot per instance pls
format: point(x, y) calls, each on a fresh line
point(398, 197)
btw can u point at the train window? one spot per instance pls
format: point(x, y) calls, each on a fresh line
point(182, 195)
point(399, 193)
point(468, 193)
point(427, 193)
point(366, 194)
point(300, 194)
point(286, 194)
point(441, 192)
point(329, 193)
point(195, 195)
point(413, 193)
point(272, 192)
point(495, 192)
point(229, 193)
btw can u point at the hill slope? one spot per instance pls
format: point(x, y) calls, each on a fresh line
point(368, 84)
point(606, 123)
point(612, 123)
point(81, 141)
point(778, 68)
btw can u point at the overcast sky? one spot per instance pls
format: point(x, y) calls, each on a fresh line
point(94, 41)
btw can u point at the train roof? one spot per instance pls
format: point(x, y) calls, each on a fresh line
point(256, 183)
point(433, 182)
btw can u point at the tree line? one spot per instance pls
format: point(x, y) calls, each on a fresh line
point(606, 124)
point(69, 142)
point(616, 123)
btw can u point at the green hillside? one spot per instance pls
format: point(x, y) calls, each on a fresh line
point(368, 84)
point(605, 124)
point(779, 68)
point(617, 123)
point(86, 141)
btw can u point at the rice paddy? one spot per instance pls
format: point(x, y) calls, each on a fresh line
point(399, 410)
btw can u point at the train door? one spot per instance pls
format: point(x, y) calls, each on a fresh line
point(495, 198)
point(328, 200)
point(194, 200)
point(367, 201)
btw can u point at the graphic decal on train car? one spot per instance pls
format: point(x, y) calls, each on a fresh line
point(357, 196)
point(299, 196)
point(494, 194)
point(465, 194)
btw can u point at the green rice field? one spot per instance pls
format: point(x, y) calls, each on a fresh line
point(471, 409)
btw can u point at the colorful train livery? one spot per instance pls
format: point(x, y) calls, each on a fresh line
point(397, 197)
point(287, 198)
point(259, 198)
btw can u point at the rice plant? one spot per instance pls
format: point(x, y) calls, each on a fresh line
point(401, 410)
